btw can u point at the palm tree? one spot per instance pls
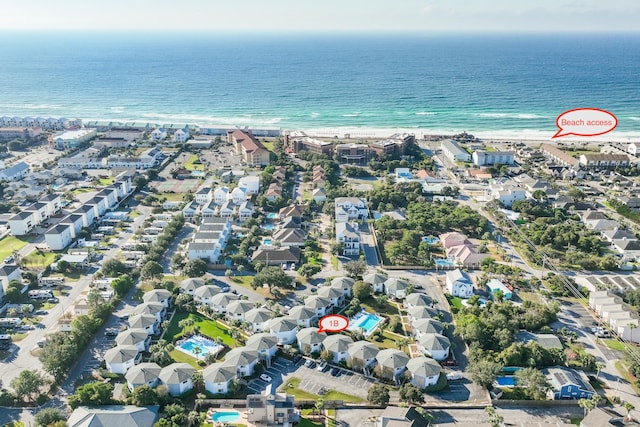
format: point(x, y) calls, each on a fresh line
point(495, 419)
point(196, 350)
point(319, 405)
point(629, 407)
point(587, 405)
point(599, 366)
point(197, 379)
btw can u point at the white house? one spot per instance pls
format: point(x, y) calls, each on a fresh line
point(217, 378)
point(376, 280)
point(362, 355)
point(258, 318)
point(58, 237)
point(15, 172)
point(120, 358)
point(338, 345)
point(177, 378)
point(221, 301)
point(344, 284)
point(251, 184)
point(159, 134)
point(221, 195)
point(490, 158)
point(265, 344)
point(204, 195)
point(237, 309)
point(506, 193)
point(350, 208)
point(245, 210)
point(349, 236)
point(434, 345)
point(22, 223)
point(238, 195)
point(161, 296)
point(139, 338)
point(304, 316)
point(319, 195)
point(392, 362)
point(181, 135)
point(312, 338)
point(335, 295)
point(203, 294)
point(319, 304)
point(148, 322)
point(190, 285)
point(244, 360)
point(209, 252)
point(154, 308)
point(143, 374)
point(454, 152)
point(396, 288)
point(75, 222)
point(284, 329)
point(459, 284)
point(424, 371)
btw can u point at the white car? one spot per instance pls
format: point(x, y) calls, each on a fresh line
point(265, 377)
point(454, 376)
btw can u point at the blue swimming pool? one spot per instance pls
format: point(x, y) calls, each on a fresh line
point(506, 381)
point(226, 417)
point(268, 227)
point(430, 240)
point(366, 321)
point(203, 344)
point(441, 262)
point(267, 242)
point(272, 215)
point(197, 173)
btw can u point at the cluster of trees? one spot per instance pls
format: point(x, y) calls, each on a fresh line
point(561, 233)
point(625, 211)
point(632, 296)
point(275, 278)
point(493, 327)
point(402, 240)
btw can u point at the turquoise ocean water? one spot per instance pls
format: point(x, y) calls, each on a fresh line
point(517, 83)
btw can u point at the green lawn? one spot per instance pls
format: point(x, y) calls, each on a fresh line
point(172, 197)
point(304, 422)
point(13, 243)
point(191, 165)
point(105, 181)
point(39, 259)
point(454, 301)
point(21, 424)
point(181, 357)
point(614, 344)
point(268, 145)
point(208, 327)
point(372, 306)
point(291, 387)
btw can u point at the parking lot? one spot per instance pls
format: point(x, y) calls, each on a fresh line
point(312, 380)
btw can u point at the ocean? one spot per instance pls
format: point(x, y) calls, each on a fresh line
point(510, 84)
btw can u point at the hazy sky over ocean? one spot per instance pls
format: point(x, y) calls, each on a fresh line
point(324, 15)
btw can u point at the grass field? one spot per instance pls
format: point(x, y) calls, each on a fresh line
point(191, 165)
point(38, 259)
point(172, 197)
point(105, 181)
point(291, 387)
point(181, 357)
point(208, 327)
point(13, 243)
point(614, 344)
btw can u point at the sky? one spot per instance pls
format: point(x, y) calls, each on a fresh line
point(323, 15)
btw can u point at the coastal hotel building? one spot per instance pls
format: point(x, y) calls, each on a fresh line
point(354, 153)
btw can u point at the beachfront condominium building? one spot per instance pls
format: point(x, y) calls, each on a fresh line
point(299, 141)
point(454, 152)
point(607, 161)
point(395, 145)
point(491, 158)
point(358, 154)
point(251, 150)
point(73, 138)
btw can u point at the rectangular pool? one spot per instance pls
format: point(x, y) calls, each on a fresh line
point(203, 345)
point(506, 381)
point(226, 416)
point(366, 321)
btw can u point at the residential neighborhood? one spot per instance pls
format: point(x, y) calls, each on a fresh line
point(153, 265)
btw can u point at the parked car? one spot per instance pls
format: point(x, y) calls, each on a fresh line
point(454, 376)
point(335, 372)
point(53, 300)
point(8, 260)
point(321, 366)
point(310, 363)
point(265, 377)
point(297, 358)
point(41, 313)
point(111, 333)
point(450, 362)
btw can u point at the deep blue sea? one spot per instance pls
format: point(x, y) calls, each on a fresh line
point(515, 83)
